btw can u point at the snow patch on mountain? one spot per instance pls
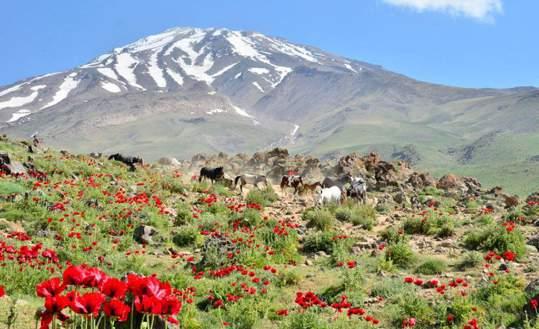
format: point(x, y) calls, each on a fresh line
point(155, 71)
point(258, 87)
point(175, 76)
point(153, 41)
point(111, 87)
point(241, 112)
point(65, 88)
point(288, 49)
point(211, 112)
point(348, 66)
point(22, 100)
point(12, 89)
point(19, 114)
point(223, 70)
point(259, 70)
point(125, 67)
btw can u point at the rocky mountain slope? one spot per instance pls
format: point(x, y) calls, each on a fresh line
point(189, 90)
point(93, 236)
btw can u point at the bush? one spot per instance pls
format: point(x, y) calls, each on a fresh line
point(400, 254)
point(432, 224)
point(8, 188)
point(343, 214)
point(363, 216)
point(319, 218)
point(241, 315)
point(187, 236)
point(306, 320)
point(172, 185)
point(360, 215)
point(263, 197)
point(319, 241)
point(504, 300)
point(470, 260)
point(392, 235)
point(249, 217)
point(288, 278)
point(410, 305)
point(496, 238)
point(432, 267)
point(389, 287)
point(183, 215)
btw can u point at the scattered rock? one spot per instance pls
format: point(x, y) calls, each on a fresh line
point(534, 241)
point(145, 234)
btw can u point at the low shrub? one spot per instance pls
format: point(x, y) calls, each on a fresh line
point(470, 259)
point(320, 219)
point(497, 238)
point(187, 236)
point(430, 224)
point(319, 241)
point(262, 197)
point(393, 235)
point(401, 254)
point(432, 266)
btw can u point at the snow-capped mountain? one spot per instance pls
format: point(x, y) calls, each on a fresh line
point(190, 90)
point(244, 66)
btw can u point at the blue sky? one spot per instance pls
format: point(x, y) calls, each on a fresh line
point(470, 43)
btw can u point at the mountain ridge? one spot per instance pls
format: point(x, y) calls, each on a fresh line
point(191, 90)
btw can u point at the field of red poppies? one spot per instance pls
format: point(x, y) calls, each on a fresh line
point(86, 243)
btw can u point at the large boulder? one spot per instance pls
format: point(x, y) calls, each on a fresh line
point(421, 180)
point(168, 161)
point(449, 182)
point(278, 152)
point(534, 241)
point(533, 198)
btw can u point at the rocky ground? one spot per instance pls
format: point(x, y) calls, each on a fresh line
point(423, 252)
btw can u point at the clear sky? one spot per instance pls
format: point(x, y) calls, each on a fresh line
point(471, 43)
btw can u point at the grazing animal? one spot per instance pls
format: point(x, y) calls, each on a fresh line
point(96, 155)
point(328, 195)
point(311, 187)
point(212, 174)
point(127, 160)
point(250, 179)
point(358, 190)
point(334, 181)
point(295, 182)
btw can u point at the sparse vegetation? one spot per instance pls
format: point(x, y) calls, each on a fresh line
point(253, 261)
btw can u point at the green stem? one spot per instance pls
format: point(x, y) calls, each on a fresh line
point(131, 315)
point(99, 320)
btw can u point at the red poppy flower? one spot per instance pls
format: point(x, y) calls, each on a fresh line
point(2, 291)
point(283, 312)
point(114, 288)
point(94, 277)
point(49, 288)
point(408, 279)
point(89, 303)
point(115, 308)
point(74, 275)
point(170, 305)
point(53, 307)
point(148, 304)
